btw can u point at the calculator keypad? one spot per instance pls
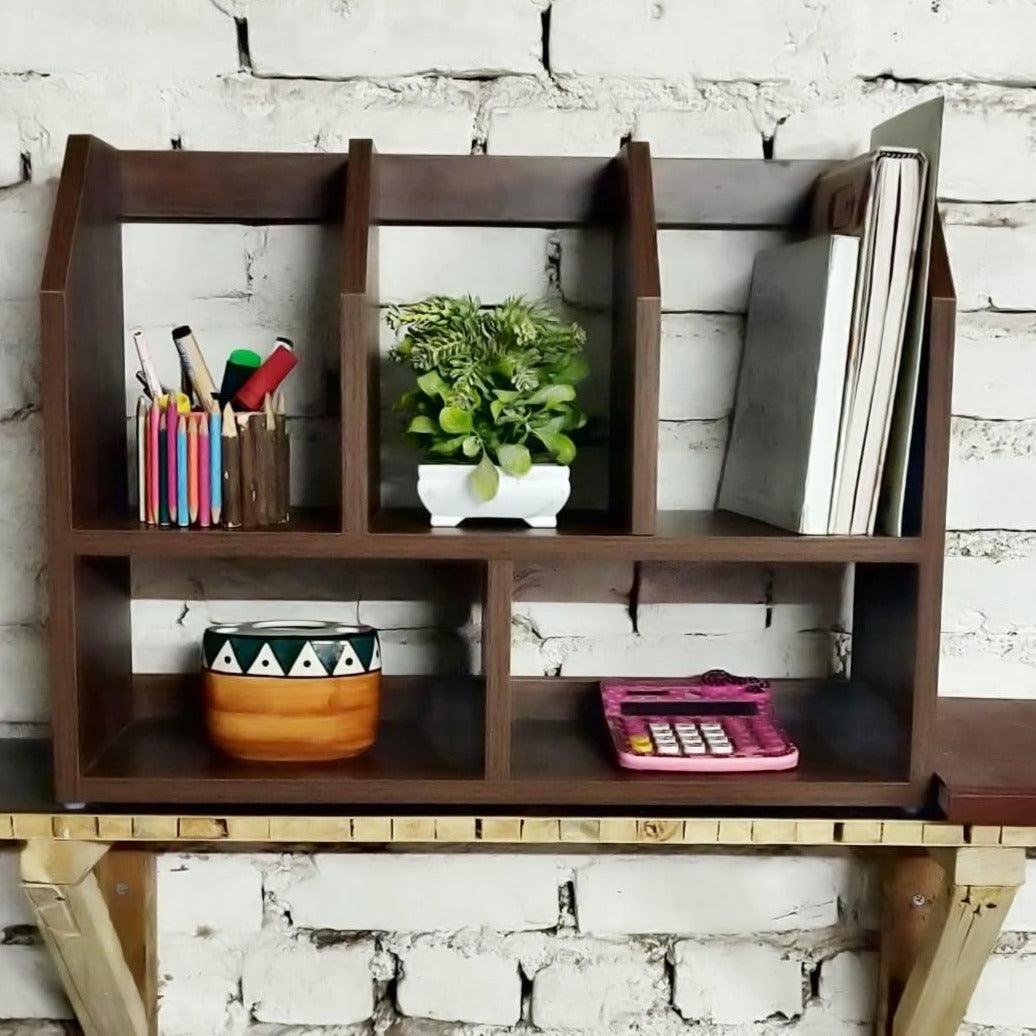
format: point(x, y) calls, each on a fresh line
point(742, 736)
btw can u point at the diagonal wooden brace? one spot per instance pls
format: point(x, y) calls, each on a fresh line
point(73, 918)
point(961, 899)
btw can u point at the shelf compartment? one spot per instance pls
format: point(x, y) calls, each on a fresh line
point(613, 194)
point(561, 748)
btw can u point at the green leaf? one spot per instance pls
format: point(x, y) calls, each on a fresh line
point(472, 446)
point(432, 384)
point(515, 460)
point(423, 426)
point(507, 395)
point(454, 420)
point(484, 479)
point(575, 370)
point(447, 447)
point(496, 408)
point(551, 394)
point(560, 446)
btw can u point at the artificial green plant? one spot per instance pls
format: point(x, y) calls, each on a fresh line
point(495, 385)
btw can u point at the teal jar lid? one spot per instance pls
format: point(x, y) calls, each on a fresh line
point(300, 649)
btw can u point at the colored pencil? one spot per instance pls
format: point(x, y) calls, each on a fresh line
point(204, 481)
point(183, 516)
point(265, 464)
point(142, 409)
point(247, 452)
point(193, 364)
point(283, 460)
point(192, 467)
point(172, 497)
point(154, 461)
point(215, 465)
point(163, 471)
point(231, 445)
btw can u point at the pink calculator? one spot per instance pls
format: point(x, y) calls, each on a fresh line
point(713, 723)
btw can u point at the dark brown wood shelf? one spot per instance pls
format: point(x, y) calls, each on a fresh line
point(125, 737)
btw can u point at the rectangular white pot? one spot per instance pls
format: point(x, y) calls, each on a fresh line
point(535, 498)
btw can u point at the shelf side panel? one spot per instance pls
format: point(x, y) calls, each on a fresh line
point(636, 317)
point(361, 379)
point(497, 595)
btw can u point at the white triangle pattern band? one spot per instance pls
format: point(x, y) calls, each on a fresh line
point(265, 663)
point(225, 660)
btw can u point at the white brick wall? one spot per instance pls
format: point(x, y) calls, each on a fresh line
point(713, 78)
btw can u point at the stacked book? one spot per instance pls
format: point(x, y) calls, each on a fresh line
point(827, 389)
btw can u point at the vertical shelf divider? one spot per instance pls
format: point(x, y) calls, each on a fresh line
point(361, 379)
point(636, 331)
point(498, 592)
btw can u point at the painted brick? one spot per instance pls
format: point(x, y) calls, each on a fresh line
point(179, 39)
point(848, 982)
point(376, 40)
point(987, 667)
point(424, 893)
point(1022, 915)
point(238, 112)
point(24, 696)
point(213, 893)
point(996, 1000)
point(295, 983)
point(10, 152)
point(445, 985)
point(710, 133)
point(25, 211)
point(14, 906)
point(987, 595)
point(700, 354)
point(198, 986)
point(990, 484)
point(954, 39)
point(709, 269)
point(593, 997)
point(678, 41)
point(991, 251)
point(555, 131)
point(488, 263)
point(736, 982)
point(29, 986)
point(994, 366)
point(48, 109)
point(711, 895)
point(988, 133)
point(690, 461)
point(19, 357)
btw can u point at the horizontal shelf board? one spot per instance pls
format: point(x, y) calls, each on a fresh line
point(681, 535)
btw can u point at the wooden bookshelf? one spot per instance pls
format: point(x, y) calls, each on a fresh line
point(126, 737)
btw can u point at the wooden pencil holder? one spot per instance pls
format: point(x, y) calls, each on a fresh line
point(291, 691)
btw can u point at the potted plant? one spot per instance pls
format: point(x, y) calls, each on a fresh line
point(494, 406)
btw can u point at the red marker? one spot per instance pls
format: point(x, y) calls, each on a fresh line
point(265, 380)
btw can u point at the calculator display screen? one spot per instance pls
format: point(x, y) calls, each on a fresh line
point(689, 708)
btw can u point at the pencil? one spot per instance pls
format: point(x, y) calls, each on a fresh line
point(283, 460)
point(202, 438)
point(231, 446)
point(192, 467)
point(170, 457)
point(247, 451)
point(183, 516)
point(163, 472)
point(142, 409)
point(215, 464)
point(154, 462)
point(265, 465)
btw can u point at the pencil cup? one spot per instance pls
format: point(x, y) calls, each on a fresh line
point(303, 691)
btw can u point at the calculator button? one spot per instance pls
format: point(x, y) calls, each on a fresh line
point(668, 750)
point(721, 749)
point(641, 744)
point(694, 749)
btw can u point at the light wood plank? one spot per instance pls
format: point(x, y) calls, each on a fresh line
point(541, 829)
point(774, 832)
point(979, 834)
point(155, 828)
point(413, 829)
point(858, 832)
point(77, 929)
point(115, 828)
point(1018, 836)
point(248, 829)
point(501, 829)
point(6, 826)
point(700, 832)
point(372, 829)
point(982, 865)
point(814, 832)
point(33, 825)
point(202, 829)
point(582, 829)
point(607, 829)
point(74, 826)
point(310, 829)
point(943, 834)
point(460, 830)
point(902, 832)
point(735, 832)
point(654, 832)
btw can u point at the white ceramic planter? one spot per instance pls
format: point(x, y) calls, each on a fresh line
point(535, 498)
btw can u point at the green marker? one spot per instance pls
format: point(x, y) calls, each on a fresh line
point(238, 370)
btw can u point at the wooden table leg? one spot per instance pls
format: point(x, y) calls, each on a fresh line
point(946, 911)
point(76, 925)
